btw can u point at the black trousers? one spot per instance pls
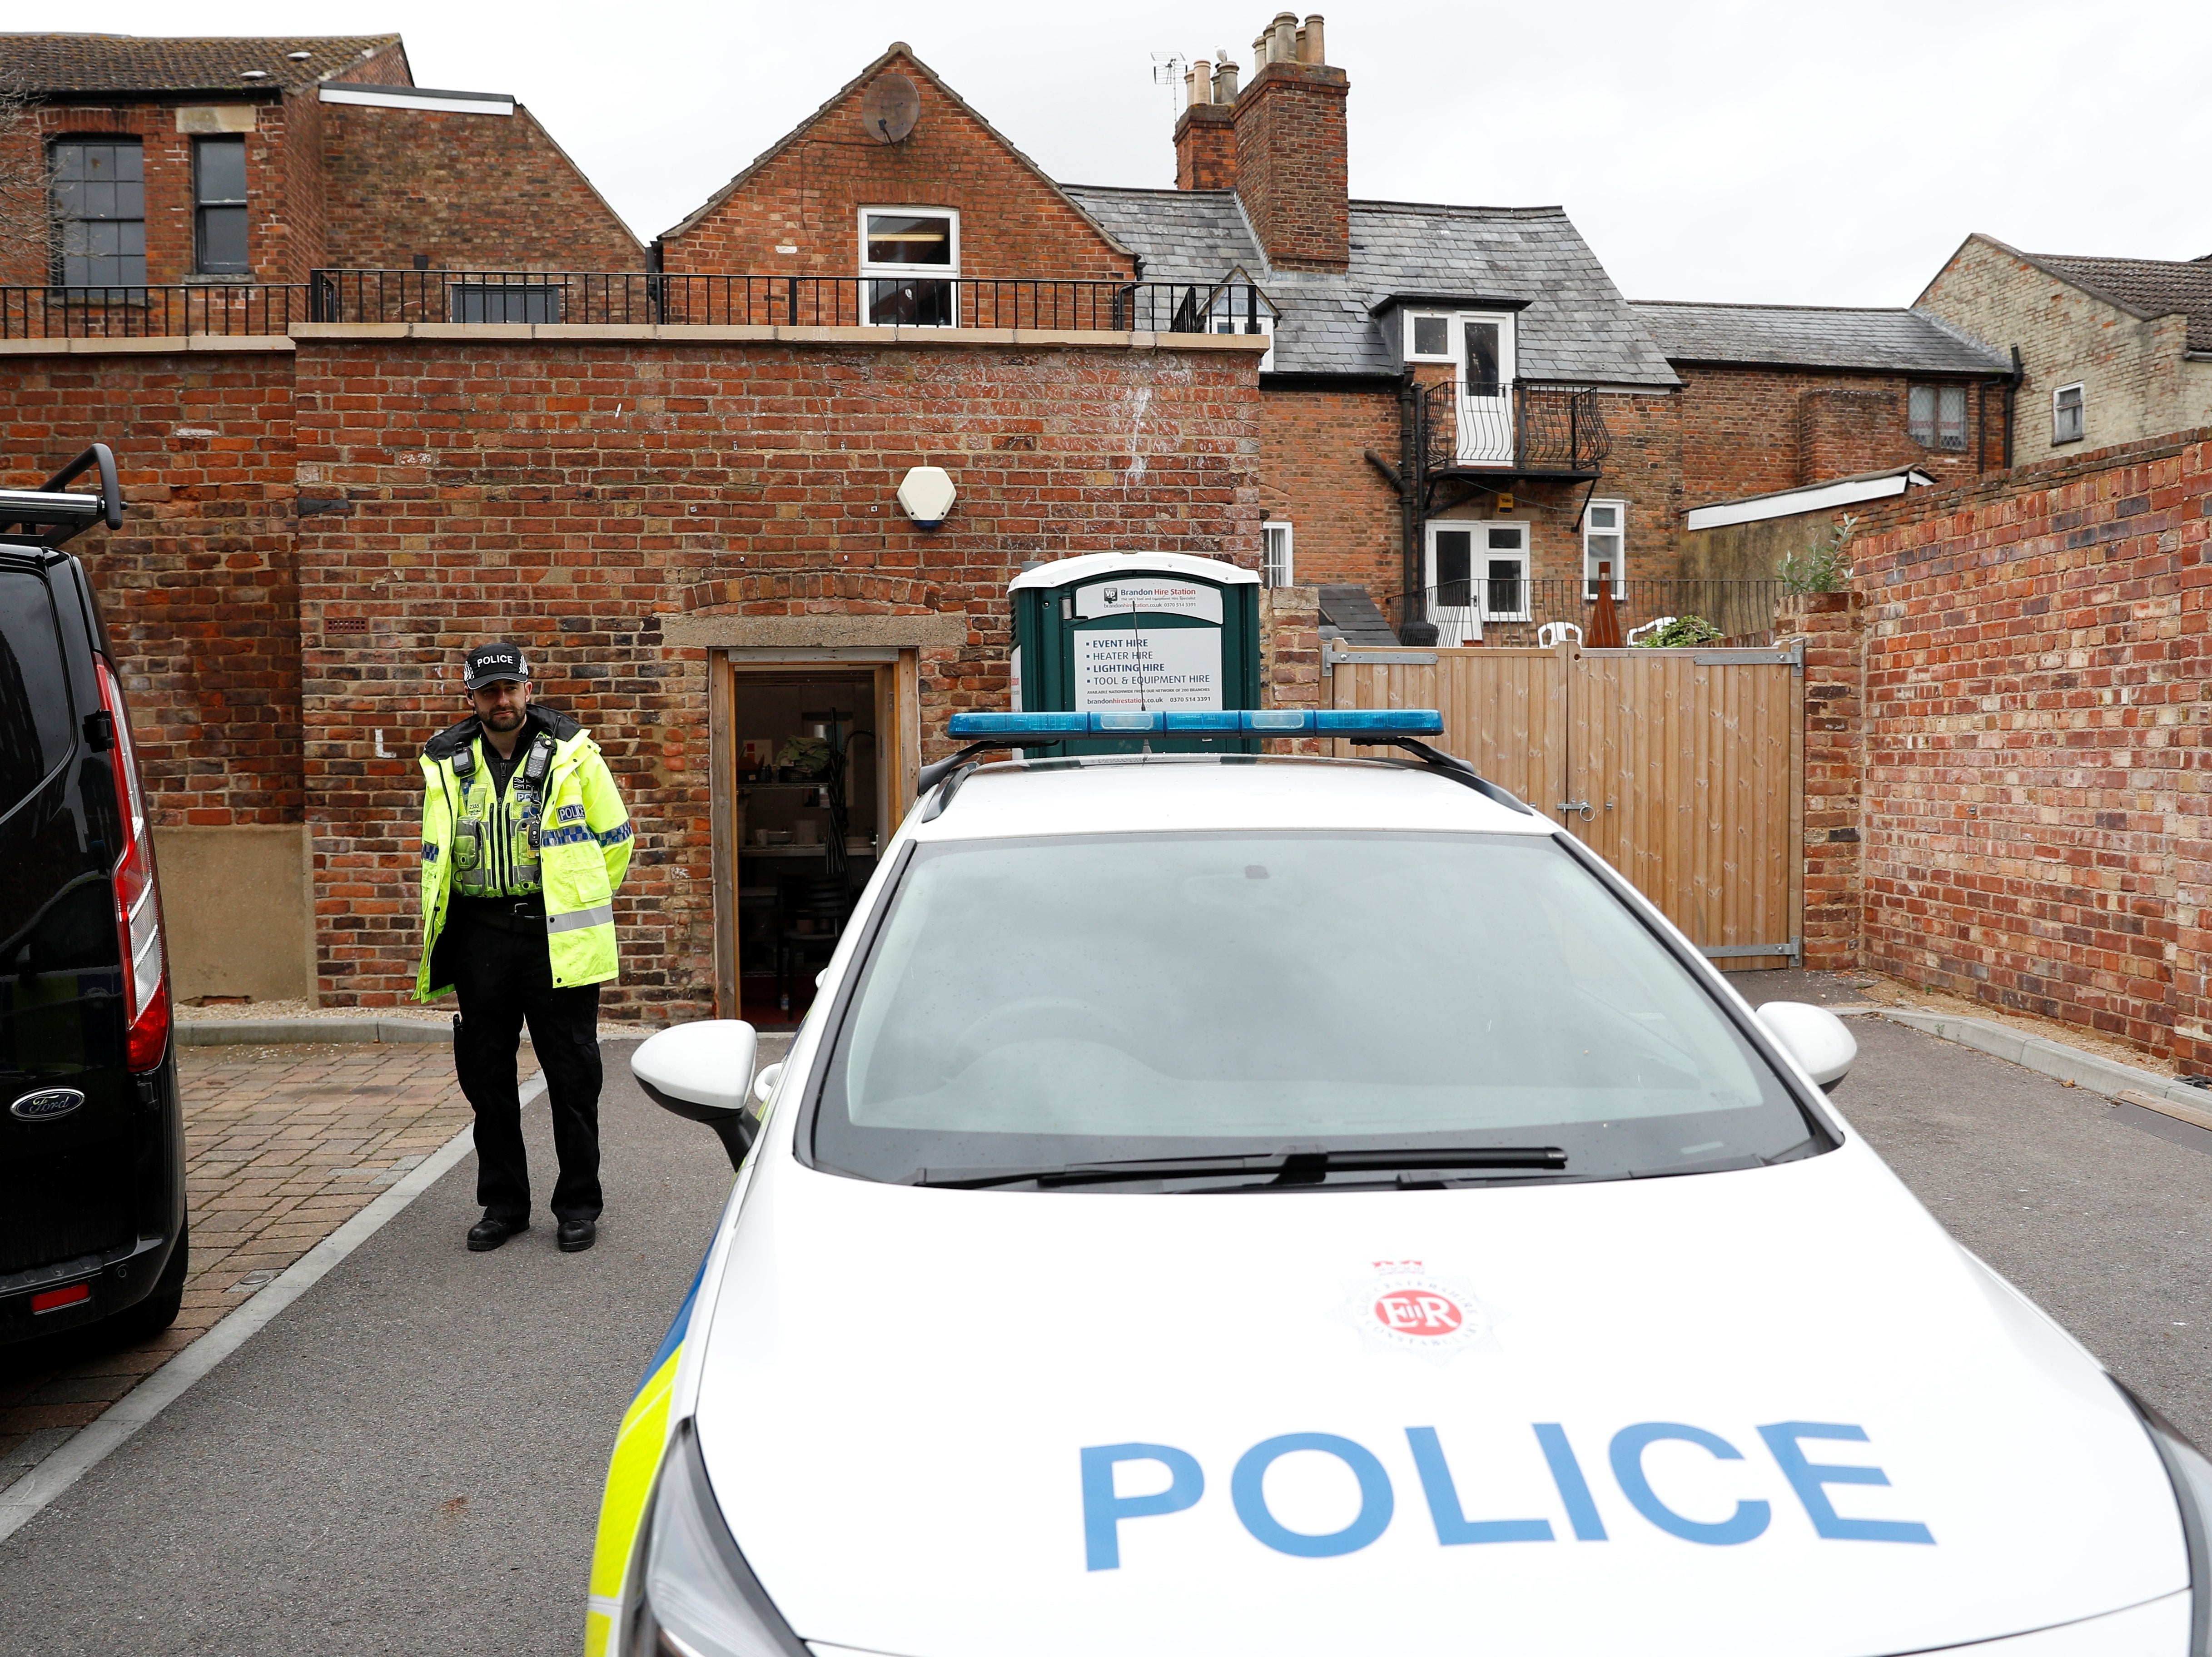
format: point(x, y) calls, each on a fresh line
point(505, 980)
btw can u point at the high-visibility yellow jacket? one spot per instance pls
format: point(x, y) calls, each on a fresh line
point(560, 828)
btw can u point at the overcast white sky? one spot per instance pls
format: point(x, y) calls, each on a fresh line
point(1713, 149)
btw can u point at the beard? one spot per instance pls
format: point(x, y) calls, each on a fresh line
point(504, 718)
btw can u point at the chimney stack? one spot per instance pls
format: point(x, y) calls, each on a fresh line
point(1205, 131)
point(1287, 159)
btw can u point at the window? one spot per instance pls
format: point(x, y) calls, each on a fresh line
point(1937, 415)
point(1605, 541)
point(218, 206)
point(99, 207)
point(1428, 337)
point(2068, 415)
point(1275, 541)
point(894, 242)
point(1505, 573)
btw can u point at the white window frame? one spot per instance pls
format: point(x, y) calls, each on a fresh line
point(1620, 560)
point(1486, 552)
point(1449, 354)
point(873, 273)
point(2080, 389)
point(1277, 554)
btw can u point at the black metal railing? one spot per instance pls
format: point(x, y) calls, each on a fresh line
point(142, 311)
point(1514, 610)
point(631, 297)
point(1516, 423)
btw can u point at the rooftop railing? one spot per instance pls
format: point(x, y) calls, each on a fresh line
point(632, 297)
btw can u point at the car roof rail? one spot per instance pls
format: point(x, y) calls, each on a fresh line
point(49, 515)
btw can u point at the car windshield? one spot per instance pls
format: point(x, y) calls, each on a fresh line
point(1041, 1003)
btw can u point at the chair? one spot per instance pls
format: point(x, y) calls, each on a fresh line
point(810, 919)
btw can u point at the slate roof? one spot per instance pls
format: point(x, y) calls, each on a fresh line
point(2149, 287)
point(1817, 336)
point(1575, 326)
point(1348, 613)
point(65, 63)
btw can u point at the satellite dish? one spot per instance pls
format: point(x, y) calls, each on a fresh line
point(890, 108)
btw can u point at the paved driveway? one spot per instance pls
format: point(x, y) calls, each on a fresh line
point(407, 1460)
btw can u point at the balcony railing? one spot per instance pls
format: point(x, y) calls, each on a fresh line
point(146, 311)
point(1514, 610)
point(788, 301)
point(616, 297)
point(1512, 423)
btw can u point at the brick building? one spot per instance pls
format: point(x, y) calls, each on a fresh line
point(218, 165)
point(2111, 350)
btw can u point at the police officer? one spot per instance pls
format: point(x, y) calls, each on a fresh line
point(524, 842)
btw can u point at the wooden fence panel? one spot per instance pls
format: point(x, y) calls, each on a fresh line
point(1686, 776)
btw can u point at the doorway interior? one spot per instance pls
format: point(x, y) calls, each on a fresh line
point(808, 759)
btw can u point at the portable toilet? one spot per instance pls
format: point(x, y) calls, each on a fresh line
point(1116, 631)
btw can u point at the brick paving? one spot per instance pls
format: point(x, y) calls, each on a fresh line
point(283, 1144)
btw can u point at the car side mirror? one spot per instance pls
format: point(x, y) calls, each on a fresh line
point(764, 1083)
point(700, 1071)
point(1815, 1037)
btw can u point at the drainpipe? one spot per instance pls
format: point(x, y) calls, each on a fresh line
point(2012, 389)
point(1413, 607)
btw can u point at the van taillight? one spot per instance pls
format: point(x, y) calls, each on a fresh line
point(137, 899)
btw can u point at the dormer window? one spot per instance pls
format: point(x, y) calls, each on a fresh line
point(1429, 337)
point(908, 257)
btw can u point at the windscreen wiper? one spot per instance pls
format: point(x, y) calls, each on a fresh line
point(1290, 1167)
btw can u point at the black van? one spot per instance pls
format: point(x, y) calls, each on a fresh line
point(91, 1143)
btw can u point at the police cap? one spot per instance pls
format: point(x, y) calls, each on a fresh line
point(489, 664)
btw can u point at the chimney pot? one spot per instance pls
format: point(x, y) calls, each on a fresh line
point(1224, 80)
point(1198, 83)
point(1315, 50)
point(1283, 38)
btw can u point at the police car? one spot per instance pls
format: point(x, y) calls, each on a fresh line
point(1241, 1204)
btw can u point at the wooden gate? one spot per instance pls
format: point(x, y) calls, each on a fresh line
point(1682, 769)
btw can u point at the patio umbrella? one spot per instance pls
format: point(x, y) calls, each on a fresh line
point(1605, 621)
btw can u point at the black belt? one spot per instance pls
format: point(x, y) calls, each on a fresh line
point(521, 914)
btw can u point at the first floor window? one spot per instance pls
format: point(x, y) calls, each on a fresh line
point(218, 206)
point(1275, 541)
point(2070, 420)
point(99, 212)
point(908, 259)
point(1605, 545)
point(1937, 415)
point(1428, 337)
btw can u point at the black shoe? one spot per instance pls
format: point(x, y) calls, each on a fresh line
point(490, 1232)
point(576, 1234)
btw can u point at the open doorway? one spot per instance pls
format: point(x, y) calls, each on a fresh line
point(803, 750)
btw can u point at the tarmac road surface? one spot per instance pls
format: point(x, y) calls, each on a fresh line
point(408, 1459)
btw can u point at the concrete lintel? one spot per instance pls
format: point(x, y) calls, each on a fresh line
point(722, 632)
point(2046, 1057)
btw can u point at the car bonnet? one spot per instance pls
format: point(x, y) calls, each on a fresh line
point(996, 1422)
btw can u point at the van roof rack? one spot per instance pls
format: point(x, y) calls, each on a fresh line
point(49, 515)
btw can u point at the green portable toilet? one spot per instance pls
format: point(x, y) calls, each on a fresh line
point(1116, 631)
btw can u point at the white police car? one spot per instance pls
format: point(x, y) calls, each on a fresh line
point(1306, 1207)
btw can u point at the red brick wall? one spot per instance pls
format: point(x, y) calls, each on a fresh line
point(470, 192)
point(808, 193)
point(1754, 431)
point(1205, 147)
point(199, 586)
point(1345, 524)
point(1830, 625)
point(589, 489)
point(1291, 165)
point(2037, 676)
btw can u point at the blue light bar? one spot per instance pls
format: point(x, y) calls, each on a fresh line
point(1355, 725)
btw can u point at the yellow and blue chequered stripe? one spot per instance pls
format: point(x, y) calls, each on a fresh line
point(638, 1450)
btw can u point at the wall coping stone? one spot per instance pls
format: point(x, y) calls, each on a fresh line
point(145, 345)
point(498, 333)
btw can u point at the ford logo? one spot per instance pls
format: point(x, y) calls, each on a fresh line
point(46, 1104)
